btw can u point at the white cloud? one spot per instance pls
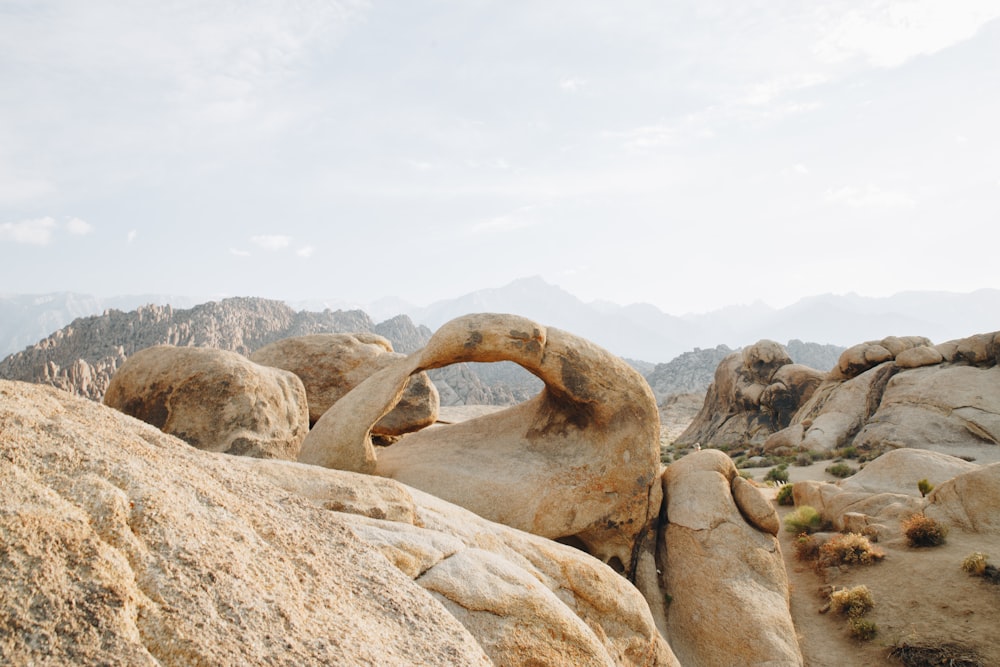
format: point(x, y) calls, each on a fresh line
point(573, 84)
point(37, 231)
point(271, 241)
point(887, 34)
point(132, 234)
point(868, 197)
point(419, 165)
point(79, 227)
point(238, 252)
point(519, 219)
point(305, 251)
point(800, 169)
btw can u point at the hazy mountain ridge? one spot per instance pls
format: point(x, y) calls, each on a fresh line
point(82, 356)
point(636, 331)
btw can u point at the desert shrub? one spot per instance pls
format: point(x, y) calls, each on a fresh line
point(746, 474)
point(849, 452)
point(854, 602)
point(975, 563)
point(849, 549)
point(804, 519)
point(841, 470)
point(777, 474)
point(919, 655)
point(924, 487)
point(784, 496)
point(862, 628)
point(804, 459)
point(806, 547)
point(923, 531)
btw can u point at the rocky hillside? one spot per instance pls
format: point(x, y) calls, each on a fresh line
point(81, 357)
point(693, 371)
point(885, 394)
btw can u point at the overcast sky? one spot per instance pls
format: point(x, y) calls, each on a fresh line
point(690, 154)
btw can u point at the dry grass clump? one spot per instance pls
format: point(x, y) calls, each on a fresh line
point(923, 531)
point(854, 602)
point(806, 547)
point(975, 563)
point(862, 629)
point(926, 655)
point(804, 519)
point(849, 549)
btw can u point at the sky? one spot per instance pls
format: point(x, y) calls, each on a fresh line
point(690, 154)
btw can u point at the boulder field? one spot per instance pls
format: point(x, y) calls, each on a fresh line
point(534, 535)
point(881, 395)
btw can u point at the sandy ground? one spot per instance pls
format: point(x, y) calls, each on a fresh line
point(922, 595)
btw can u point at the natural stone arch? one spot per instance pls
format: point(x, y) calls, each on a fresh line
point(578, 462)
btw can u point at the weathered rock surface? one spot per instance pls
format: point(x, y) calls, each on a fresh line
point(578, 461)
point(969, 500)
point(755, 393)
point(883, 492)
point(122, 545)
point(900, 470)
point(939, 405)
point(330, 365)
point(897, 392)
point(726, 578)
point(214, 400)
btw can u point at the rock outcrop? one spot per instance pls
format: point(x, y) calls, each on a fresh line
point(330, 365)
point(896, 392)
point(877, 498)
point(753, 395)
point(214, 400)
point(123, 545)
point(578, 462)
point(722, 567)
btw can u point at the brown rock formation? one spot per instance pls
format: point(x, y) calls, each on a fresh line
point(330, 365)
point(726, 578)
point(214, 400)
point(122, 545)
point(755, 393)
point(579, 461)
point(897, 392)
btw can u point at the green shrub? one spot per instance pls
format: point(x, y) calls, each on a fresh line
point(804, 519)
point(784, 496)
point(975, 563)
point(854, 602)
point(804, 459)
point(841, 470)
point(923, 531)
point(778, 474)
point(925, 487)
point(849, 549)
point(862, 628)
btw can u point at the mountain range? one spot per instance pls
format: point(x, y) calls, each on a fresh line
point(635, 331)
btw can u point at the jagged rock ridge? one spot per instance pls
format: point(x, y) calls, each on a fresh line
point(82, 357)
